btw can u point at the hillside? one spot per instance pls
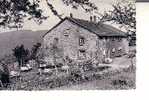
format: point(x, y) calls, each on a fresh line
point(9, 40)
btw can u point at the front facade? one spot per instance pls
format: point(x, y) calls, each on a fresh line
point(71, 39)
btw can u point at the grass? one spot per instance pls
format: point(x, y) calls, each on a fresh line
point(123, 80)
point(101, 78)
point(106, 79)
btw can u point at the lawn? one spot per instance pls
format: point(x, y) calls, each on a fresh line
point(104, 77)
point(94, 80)
point(121, 80)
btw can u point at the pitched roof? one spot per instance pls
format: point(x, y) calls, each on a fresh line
point(99, 29)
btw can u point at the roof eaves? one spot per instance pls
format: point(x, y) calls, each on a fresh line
point(82, 26)
point(122, 35)
point(71, 20)
point(55, 26)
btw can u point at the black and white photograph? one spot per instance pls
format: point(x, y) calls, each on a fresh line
point(142, 1)
point(67, 45)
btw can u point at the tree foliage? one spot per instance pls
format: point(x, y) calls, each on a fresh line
point(13, 12)
point(122, 14)
point(87, 5)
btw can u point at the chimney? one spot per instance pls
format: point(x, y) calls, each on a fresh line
point(91, 18)
point(95, 19)
point(71, 15)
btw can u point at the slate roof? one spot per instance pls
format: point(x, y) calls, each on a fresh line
point(99, 29)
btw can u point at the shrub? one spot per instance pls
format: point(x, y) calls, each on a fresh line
point(4, 74)
point(21, 54)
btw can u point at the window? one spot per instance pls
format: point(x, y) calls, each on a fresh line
point(66, 32)
point(82, 54)
point(81, 41)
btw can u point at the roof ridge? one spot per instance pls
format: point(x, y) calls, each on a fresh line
point(97, 28)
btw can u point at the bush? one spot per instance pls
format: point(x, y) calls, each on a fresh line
point(123, 83)
point(4, 74)
point(21, 54)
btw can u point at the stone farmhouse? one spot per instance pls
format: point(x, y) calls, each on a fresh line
point(79, 39)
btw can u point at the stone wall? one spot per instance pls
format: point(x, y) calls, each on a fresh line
point(68, 35)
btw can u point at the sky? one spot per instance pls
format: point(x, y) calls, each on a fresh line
point(103, 5)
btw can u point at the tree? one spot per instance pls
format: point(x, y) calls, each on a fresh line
point(13, 12)
point(122, 14)
point(21, 54)
point(85, 4)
